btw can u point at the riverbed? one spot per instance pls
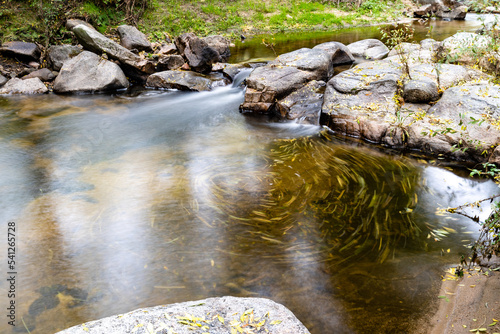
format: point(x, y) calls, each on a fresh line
point(143, 198)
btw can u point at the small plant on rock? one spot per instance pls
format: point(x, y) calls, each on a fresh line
point(395, 37)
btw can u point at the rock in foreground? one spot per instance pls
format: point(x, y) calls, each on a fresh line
point(213, 315)
point(88, 72)
point(28, 86)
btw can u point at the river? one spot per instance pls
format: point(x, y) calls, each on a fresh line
point(143, 198)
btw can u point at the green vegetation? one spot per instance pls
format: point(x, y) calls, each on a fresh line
point(43, 20)
point(251, 17)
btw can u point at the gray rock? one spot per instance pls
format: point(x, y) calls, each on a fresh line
point(430, 44)
point(88, 72)
point(420, 91)
point(304, 105)
point(167, 49)
point(219, 44)
point(229, 70)
point(405, 48)
point(132, 38)
point(22, 50)
point(71, 23)
point(317, 62)
point(463, 47)
point(43, 74)
point(267, 84)
point(457, 13)
point(98, 43)
point(184, 80)
point(58, 54)
point(28, 86)
point(219, 315)
point(423, 11)
point(360, 102)
point(372, 49)
point(339, 52)
point(3, 80)
point(443, 75)
point(469, 112)
point(199, 54)
point(169, 62)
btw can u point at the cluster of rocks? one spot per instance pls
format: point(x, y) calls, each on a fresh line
point(446, 9)
point(283, 84)
point(102, 64)
point(445, 109)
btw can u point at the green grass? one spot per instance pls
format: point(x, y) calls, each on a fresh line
point(21, 19)
point(234, 17)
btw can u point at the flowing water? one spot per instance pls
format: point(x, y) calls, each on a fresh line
point(154, 197)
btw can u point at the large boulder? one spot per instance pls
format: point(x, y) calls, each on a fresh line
point(315, 61)
point(304, 105)
point(185, 80)
point(426, 80)
point(58, 54)
point(464, 48)
point(200, 56)
point(457, 13)
point(360, 102)
point(43, 74)
point(22, 50)
point(284, 75)
point(88, 72)
point(371, 49)
point(222, 315)
point(267, 84)
point(219, 44)
point(96, 42)
point(28, 86)
point(339, 52)
point(462, 124)
point(131, 38)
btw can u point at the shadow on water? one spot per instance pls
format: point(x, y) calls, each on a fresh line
point(155, 197)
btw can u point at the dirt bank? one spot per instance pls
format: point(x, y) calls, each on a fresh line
point(470, 304)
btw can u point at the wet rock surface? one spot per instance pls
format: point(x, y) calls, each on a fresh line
point(214, 315)
point(185, 80)
point(28, 86)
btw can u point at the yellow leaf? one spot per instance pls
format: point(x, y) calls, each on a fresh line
point(275, 322)
point(221, 319)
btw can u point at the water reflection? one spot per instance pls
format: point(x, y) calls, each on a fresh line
point(253, 49)
point(132, 201)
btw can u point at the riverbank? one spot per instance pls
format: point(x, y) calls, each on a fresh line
point(468, 304)
point(159, 18)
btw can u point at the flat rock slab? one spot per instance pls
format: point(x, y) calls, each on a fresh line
point(213, 315)
point(28, 86)
point(28, 51)
point(185, 80)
